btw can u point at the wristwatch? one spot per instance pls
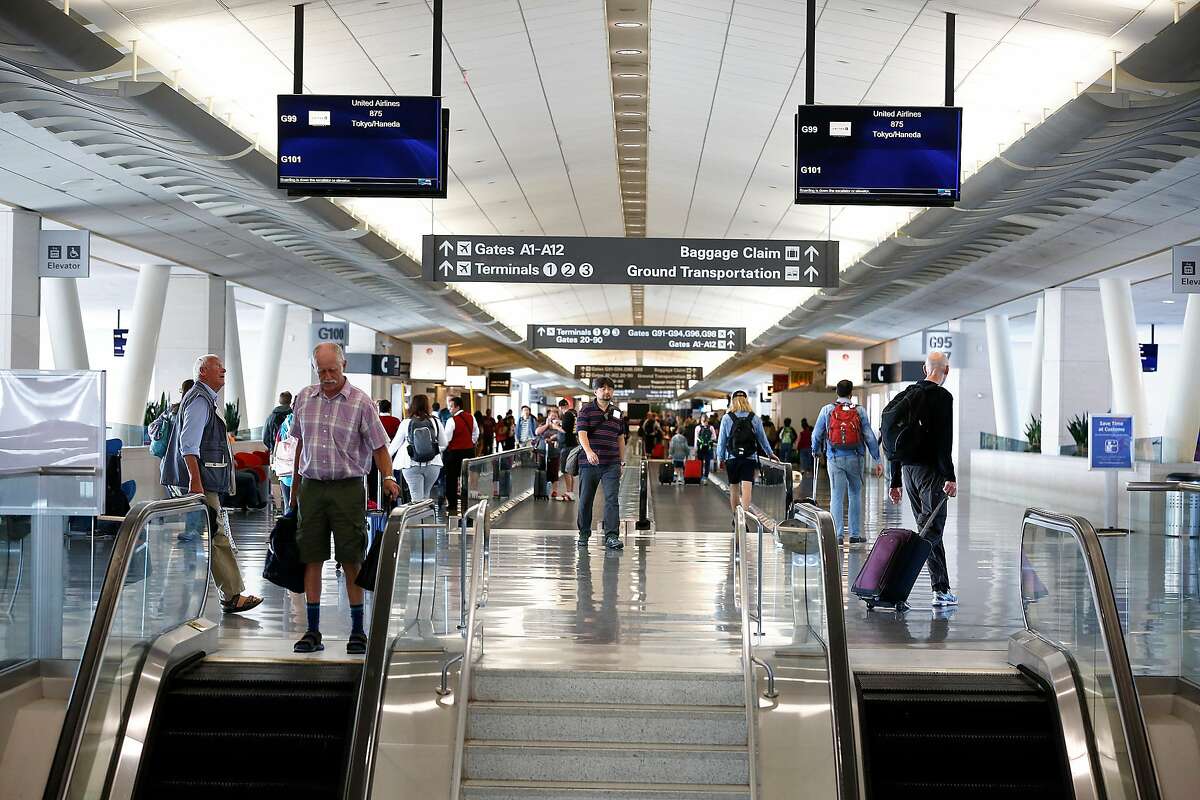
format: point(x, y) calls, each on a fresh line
point(391, 478)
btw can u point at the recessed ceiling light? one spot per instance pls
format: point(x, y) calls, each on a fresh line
point(630, 75)
point(629, 52)
point(630, 144)
point(628, 24)
point(629, 96)
point(1169, 302)
point(629, 114)
point(630, 158)
point(630, 130)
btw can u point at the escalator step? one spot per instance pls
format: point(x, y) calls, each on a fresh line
point(948, 683)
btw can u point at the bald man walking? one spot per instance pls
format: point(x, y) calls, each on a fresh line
point(927, 470)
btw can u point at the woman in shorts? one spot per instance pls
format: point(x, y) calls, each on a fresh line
point(739, 443)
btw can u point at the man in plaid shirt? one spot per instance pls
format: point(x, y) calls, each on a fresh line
point(338, 433)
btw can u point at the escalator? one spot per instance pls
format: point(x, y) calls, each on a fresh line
point(253, 729)
point(978, 735)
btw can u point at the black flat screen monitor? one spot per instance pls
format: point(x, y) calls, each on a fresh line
point(878, 155)
point(362, 145)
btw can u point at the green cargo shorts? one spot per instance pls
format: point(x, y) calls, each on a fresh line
point(339, 507)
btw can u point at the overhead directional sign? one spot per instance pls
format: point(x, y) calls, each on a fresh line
point(383, 364)
point(629, 379)
point(635, 337)
point(603, 259)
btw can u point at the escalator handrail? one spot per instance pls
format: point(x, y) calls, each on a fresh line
point(83, 689)
point(786, 466)
point(742, 590)
point(1133, 724)
point(499, 455)
point(837, 649)
point(365, 732)
point(480, 572)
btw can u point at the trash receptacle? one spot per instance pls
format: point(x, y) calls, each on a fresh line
point(1183, 507)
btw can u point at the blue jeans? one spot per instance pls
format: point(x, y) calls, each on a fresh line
point(845, 477)
point(590, 479)
point(785, 453)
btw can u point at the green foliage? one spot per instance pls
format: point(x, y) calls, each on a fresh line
point(1078, 428)
point(155, 410)
point(1033, 434)
point(233, 417)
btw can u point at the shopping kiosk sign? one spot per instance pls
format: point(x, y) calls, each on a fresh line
point(598, 260)
point(1110, 441)
point(635, 337)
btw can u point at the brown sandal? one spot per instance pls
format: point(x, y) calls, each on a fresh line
point(240, 603)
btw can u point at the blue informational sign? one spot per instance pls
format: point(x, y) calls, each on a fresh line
point(1149, 353)
point(119, 341)
point(1110, 441)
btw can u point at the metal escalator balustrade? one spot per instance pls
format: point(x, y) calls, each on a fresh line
point(149, 608)
point(1072, 616)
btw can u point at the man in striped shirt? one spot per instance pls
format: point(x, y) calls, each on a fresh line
point(601, 432)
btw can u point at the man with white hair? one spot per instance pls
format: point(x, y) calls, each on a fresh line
point(338, 433)
point(198, 461)
point(926, 467)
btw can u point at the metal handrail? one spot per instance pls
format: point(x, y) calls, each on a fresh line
point(1187, 486)
point(470, 462)
point(742, 582)
point(50, 470)
point(83, 690)
point(1152, 486)
point(480, 571)
point(837, 649)
point(786, 466)
point(1133, 724)
point(365, 733)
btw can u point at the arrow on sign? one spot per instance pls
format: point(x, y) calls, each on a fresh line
point(445, 247)
point(446, 267)
point(811, 273)
point(541, 331)
point(812, 253)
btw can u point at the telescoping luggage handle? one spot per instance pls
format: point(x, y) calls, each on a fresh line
point(932, 516)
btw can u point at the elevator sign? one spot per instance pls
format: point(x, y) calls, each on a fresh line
point(600, 260)
point(1185, 274)
point(64, 254)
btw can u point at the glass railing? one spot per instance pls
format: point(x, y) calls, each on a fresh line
point(772, 495)
point(505, 477)
point(1069, 602)
point(1154, 573)
point(156, 581)
point(992, 441)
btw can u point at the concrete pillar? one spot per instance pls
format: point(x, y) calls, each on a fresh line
point(1183, 408)
point(194, 312)
point(1075, 376)
point(132, 385)
point(20, 301)
point(66, 323)
point(274, 321)
point(970, 381)
point(1033, 400)
point(1124, 359)
point(235, 383)
point(1003, 374)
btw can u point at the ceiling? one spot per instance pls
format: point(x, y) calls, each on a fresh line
point(530, 85)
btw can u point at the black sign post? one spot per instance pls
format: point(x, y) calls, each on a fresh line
point(635, 337)
point(595, 260)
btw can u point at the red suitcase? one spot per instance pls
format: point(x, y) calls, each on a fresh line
point(891, 569)
point(691, 470)
point(659, 452)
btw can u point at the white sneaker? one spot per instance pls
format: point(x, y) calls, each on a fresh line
point(942, 599)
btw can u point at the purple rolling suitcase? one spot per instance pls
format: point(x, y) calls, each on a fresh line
point(892, 566)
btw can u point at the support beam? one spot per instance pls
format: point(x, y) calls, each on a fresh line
point(274, 321)
point(1183, 408)
point(132, 386)
point(20, 328)
point(1075, 365)
point(235, 382)
point(1033, 401)
point(1004, 384)
point(65, 320)
point(1124, 360)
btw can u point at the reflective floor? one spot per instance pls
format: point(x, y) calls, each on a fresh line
point(668, 598)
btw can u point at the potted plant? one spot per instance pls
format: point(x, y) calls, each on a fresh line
point(1033, 434)
point(233, 419)
point(154, 410)
point(1078, 428)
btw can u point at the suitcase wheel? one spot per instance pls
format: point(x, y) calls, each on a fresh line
point(870, 606)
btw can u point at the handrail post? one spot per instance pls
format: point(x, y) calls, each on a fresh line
point(759, 576)
point(643, 521)
point(462, 570)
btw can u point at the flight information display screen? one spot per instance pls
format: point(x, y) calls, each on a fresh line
point(878, 155)
point(388, 146)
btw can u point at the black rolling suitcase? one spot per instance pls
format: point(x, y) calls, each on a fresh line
point(666, 473)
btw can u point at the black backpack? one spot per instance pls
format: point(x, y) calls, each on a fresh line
point(422, 440)
point(743, 443)
point(901, 425)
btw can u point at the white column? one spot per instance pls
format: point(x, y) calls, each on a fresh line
point(1004, 383)
point(1075, 365)
point(1033, 400)
point(1183, 408)
point(1124, 360)
point(272, 350)
point(66, 323)
point(970, 382)
point(132, 386)
point(194, 316)
point(20, 327)
point(235, 384)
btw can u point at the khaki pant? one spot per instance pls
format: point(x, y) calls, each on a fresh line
point(225, 571)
